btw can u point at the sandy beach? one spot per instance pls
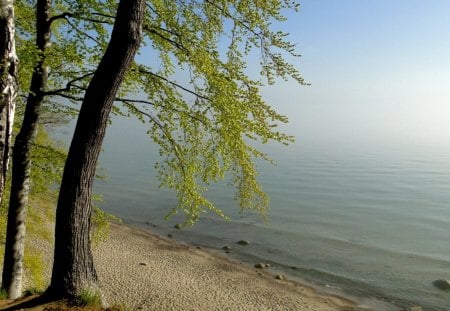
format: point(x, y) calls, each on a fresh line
point(143, 271)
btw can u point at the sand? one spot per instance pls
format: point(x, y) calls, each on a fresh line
point(143, 271)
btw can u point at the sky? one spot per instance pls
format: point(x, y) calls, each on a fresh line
point(379, 73)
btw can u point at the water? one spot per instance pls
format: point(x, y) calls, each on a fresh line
point(372, 223)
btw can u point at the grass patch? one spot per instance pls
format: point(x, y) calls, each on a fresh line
point(88, 298)
point(35, 265)
point(32, 292)
point(3, 294)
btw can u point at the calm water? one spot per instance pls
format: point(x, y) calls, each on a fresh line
point(370, 223)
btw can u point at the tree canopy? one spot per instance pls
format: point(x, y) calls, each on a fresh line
point(190, 83)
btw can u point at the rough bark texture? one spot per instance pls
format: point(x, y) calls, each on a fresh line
point(17, 212)
point(8, 85)
point(73, 269)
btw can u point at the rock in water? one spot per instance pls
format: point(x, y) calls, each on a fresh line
point(243, 242)
point(442, 284)
point(226, 248)
point(177, 226)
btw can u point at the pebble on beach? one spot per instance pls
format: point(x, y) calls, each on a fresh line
point(243, 242)
point(442, 284)
point(280, 277)
point(260, 265)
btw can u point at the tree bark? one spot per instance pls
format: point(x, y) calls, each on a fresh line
point(8, 85)
point(73, 269)
point(17, 211)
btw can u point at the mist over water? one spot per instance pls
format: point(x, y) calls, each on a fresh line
point(370, 220)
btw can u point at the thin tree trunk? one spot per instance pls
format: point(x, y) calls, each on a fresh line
point(20, 183)
point(8, 85)
point(73, 269)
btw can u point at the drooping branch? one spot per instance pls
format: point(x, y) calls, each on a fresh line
point(169, 137)
point(176, 44)
point(147, 72)
point(84, 33)
point(146, 102)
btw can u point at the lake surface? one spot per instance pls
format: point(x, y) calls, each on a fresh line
point(371, 222)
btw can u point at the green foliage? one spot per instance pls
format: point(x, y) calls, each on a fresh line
point(48, 158)
point(210, 125)
point(100, 223)
point(3, 294)
point(190, 84)
point(35, 265)
point(88, 298)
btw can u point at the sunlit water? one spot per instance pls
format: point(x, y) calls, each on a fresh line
point(372, 224)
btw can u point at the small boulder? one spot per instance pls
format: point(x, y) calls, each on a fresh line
point(280, 277)
point(294, 268)
point(260, 265)
point(177, 226)
point(243, 242)
point(268, 265)
point(226, 248)
point(198, 247)
point(442, 284)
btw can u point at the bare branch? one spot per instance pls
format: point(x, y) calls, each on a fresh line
point(71, 97)
point(69, 85)
point(60, 16)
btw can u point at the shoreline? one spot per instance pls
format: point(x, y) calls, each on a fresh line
point(145, 271)
point(367, 300)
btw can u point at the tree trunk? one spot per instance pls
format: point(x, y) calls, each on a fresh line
point(73, 269)
point(17, 212)
point(8, 85)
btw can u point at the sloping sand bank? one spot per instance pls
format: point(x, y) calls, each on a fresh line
point(146, 272)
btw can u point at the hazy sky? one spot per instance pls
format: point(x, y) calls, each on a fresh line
point(379, 69)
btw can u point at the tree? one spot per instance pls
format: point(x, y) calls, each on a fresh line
point(8, 85)
point(17, 211)
point(203, 130)
point(73, 269)
point(36, 60)
point(208, 121)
